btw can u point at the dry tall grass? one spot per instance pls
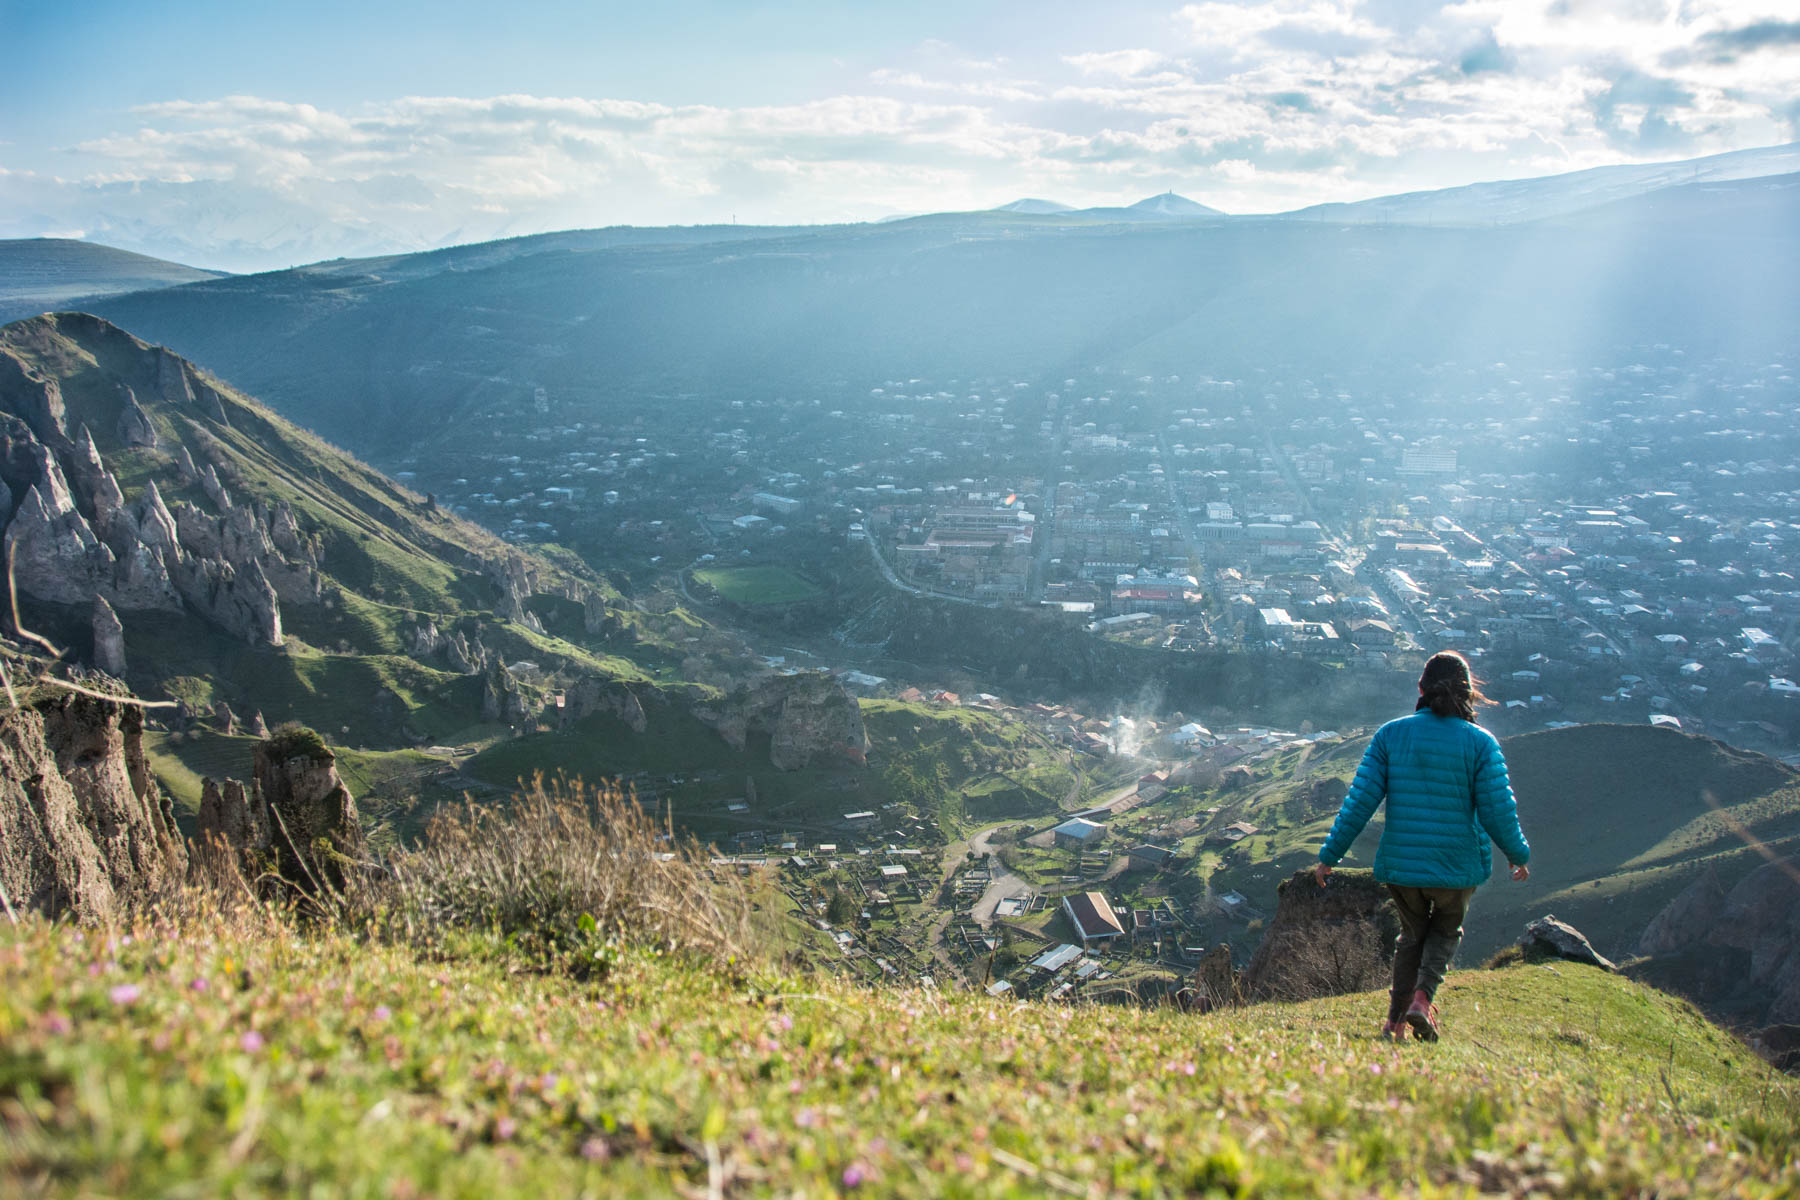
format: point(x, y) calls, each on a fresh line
point(566, 874)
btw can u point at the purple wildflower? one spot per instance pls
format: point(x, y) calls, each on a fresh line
point(251, 1042)
point(125, 994)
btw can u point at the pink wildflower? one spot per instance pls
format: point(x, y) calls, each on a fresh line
point(382, 1012)
point(57, 1023)
point(806, 1118)
point(595, 1149)
point(856, 1174)
point(504, 1129)
point(251, 1042)
point(200, 984)
point(125, 993)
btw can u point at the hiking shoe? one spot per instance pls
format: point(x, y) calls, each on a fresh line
point(1422, 1016)
point(1394, 1031)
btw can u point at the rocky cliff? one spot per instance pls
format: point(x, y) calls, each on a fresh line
point(76, 536)
point(1736, 951)
point(84, 830)
point(806, 716)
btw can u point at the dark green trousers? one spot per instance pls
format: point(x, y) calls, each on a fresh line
point(1431, 927)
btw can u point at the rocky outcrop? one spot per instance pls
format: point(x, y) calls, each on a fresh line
point(501, 697)
point(589, 696)
point(135, 427)
point(295, 818)
point(516, 580)
point(1688, 919)
point(807, 716)
point(1736, 951)
point(465, 658)
point(1324, 941)
point(1762, 916)
point(84, 830)
point(74, 534)
point(234, 827)
point(1550, 937)
point(109, 639)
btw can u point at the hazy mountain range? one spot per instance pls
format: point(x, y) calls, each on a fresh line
point(370, 351)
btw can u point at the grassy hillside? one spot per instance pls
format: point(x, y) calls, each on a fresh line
point(231, 1058)
point(1620, 818)
point(959, 767)
point(389, 560)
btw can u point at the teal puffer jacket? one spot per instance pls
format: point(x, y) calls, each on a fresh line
point(1447, 794)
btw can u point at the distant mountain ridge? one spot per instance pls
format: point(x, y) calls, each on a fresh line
point(1512, 201)
point(1164, 206)
point(372, 352)
point(40, 274)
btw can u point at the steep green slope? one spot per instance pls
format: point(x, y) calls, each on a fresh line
point(251, 1059)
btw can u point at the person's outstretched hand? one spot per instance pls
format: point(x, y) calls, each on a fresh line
point(1521, 874)
point(1320, 872)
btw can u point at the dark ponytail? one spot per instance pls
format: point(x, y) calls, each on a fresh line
point(1447, 687)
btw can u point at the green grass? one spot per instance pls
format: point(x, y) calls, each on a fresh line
point(222, 1058)
point(758, 587)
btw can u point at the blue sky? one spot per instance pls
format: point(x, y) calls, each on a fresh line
point(255, 135)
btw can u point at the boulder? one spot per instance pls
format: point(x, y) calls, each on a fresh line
point(1562, 940)
point(84, 830)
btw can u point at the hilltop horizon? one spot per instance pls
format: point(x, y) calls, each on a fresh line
point(1508, 200)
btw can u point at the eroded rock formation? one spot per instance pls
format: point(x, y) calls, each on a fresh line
point(75, 535)
point(295, 817)
point(109, 639)
point(807, 716)
point(84, 830)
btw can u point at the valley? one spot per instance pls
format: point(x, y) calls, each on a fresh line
point(946, 629)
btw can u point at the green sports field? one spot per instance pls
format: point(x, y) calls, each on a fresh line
point(758, 587)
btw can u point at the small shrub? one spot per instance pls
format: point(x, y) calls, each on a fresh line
point(294, 740)
point(566, 877)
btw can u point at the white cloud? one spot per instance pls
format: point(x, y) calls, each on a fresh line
point(1249, 107)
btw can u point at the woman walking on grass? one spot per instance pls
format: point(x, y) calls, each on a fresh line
point(1447, 794)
